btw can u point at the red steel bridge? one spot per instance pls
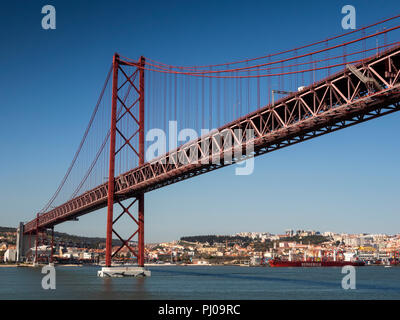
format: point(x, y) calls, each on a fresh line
point(327, 85)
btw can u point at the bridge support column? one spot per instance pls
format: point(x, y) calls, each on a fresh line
point(37, 239)
point(109, 271)
point(141, 231)
point(23, 243)
point(111, 172)
point(141, 162)
point(52, 244)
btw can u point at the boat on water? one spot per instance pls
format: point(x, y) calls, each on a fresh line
point(286, 263)
point(350, 259)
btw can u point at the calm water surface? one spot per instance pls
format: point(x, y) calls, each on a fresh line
point(203, 282)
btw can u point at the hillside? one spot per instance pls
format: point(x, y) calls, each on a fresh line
point(65, 239)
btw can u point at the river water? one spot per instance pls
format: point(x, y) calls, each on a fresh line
point(203, 282)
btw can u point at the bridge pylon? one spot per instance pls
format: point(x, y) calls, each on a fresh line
point(120, 109)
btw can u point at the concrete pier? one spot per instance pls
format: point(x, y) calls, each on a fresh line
point(118, 272)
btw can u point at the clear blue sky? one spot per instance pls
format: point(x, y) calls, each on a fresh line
point(50, 80)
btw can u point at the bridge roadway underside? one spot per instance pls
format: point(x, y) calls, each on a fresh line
point(336, 102)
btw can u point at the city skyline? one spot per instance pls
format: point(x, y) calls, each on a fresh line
point(260, 234)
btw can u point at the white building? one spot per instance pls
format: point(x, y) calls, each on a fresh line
point(255, 261)
point(88, 255)
point(352, 241)
point(10, 255)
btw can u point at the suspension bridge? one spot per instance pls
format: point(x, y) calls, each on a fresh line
point(250, 107)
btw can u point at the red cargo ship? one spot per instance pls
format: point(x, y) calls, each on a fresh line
point(285, 263)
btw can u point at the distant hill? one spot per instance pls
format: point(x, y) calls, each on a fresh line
point(211, 239)
point(315, 239)
point(80, 241)
point(72, 240)
point(7, 229)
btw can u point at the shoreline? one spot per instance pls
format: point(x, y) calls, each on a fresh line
point(160, 265)
point(8, 265)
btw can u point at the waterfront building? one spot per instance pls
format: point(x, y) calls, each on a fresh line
point(3, 246)
point(10, 255)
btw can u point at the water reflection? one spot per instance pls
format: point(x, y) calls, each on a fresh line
point(130, 288)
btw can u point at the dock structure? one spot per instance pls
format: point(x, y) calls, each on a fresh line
point(119, 272)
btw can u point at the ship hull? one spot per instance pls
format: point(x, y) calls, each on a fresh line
point(304, 264)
